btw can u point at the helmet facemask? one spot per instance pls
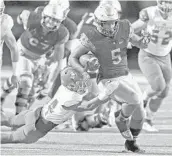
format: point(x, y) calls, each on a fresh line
point(107, 28)
point(52, 16)
point(106, 19)
point(50, 24)
point(165, 7)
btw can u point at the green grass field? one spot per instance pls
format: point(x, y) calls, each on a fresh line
point(102, 142)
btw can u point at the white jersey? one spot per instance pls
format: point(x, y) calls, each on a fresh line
point(60, 108)
point(160, 30)
point(6, 25)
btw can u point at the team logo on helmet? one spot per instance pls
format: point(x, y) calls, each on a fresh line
point(74, 81)
point(52, 16)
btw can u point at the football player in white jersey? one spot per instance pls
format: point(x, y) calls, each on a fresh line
point(155, 61)
point(35, 124)
point(8, 37)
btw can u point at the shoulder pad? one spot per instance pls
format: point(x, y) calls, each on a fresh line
point(85, 41)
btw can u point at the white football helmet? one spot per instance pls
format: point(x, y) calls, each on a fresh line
point(90, 62)
point(2, 7)
point(64, 4)
point(74, 81)
point(165, 6)
point(52, 16)
point(114, 3)
point(106, 19)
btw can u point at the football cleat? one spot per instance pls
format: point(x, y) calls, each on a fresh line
point(149, 127)
point(123, 126)
point(133, 147)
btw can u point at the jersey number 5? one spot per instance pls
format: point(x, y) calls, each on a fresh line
point(35, 43)
point(116, 57)
point(167, 37)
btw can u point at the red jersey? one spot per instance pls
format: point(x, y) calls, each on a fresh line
point(110, 51)
point(34, 40)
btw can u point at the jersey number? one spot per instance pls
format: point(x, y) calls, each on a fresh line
point(165, 40)
point(51, 107)
point(116, 57)
point(36, 43)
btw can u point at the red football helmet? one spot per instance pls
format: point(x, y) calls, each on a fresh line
point(74, 81)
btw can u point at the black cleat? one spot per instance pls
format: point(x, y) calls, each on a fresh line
point(131, 146)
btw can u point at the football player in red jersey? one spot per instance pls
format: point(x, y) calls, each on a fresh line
point(7, 35)
point(44, 33)
point(108, 39)
point(34, 124)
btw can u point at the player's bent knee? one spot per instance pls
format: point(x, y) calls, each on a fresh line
point(158, 85)
point(136, 99)
point(164, 93)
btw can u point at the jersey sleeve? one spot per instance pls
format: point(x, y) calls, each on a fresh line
point(70, 25)
point(87, 39)
point(63, 35)
point(128, 29)
point(143, 15)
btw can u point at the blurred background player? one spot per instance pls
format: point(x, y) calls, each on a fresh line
point(44, 34)
point(155, 61)
point(8, 37)
point(107, 39)
point(35, 124)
